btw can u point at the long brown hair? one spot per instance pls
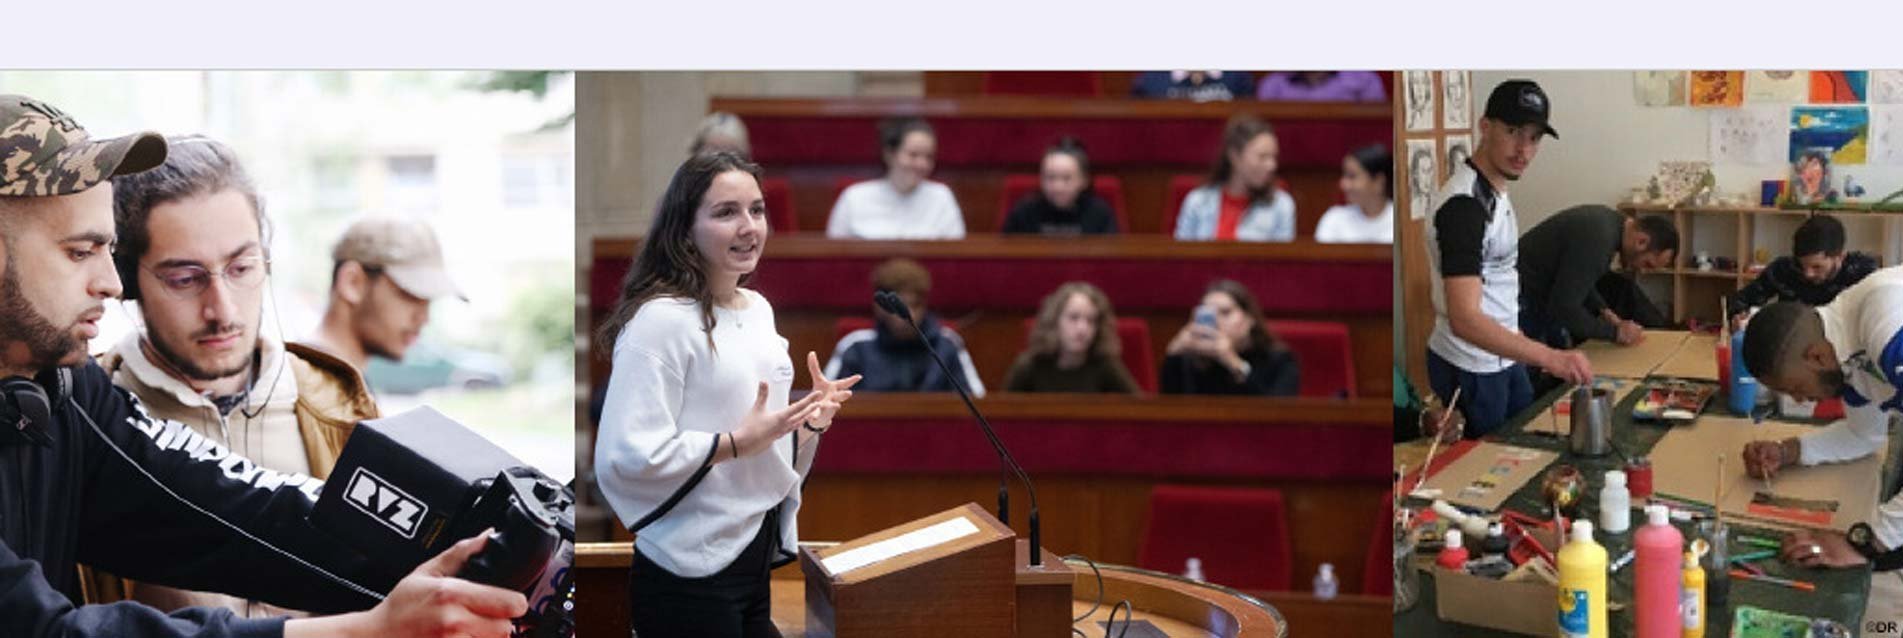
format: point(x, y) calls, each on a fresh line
point(1259, 335)
point(668, 264)
point(1236, 135)
point(1044, 341)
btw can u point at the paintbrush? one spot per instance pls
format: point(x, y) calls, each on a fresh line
point(1435, 446)
point(1794, 584)
point(1718, 490)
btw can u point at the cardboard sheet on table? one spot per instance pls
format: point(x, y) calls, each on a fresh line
point(1685, 464)
point(1635, 361)
point(1518, 465)
point(1560, 423)
point(1697, 358)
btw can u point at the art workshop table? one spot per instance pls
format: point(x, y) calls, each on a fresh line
point(1840, 595)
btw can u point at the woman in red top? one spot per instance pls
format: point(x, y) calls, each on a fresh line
point(1241, 200)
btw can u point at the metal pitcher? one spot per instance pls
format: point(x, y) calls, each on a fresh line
point(1592, 421)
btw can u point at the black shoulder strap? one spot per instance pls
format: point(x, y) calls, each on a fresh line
point(675, 498)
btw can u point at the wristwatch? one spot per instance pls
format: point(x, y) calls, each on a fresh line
point(1864, 540)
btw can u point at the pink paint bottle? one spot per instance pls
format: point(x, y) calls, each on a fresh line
point(1655, 588)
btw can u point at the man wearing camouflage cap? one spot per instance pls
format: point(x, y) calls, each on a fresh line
point(92, 477)
point(385, 272)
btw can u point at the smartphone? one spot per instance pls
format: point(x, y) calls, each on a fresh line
point(1206, 316)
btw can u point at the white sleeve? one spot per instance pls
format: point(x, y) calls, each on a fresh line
point(839, 224)
point(641, 454)
point(1887, 525)
point(1325, 229)
point(954, 217)
point(1862, 432)
point(972, 383)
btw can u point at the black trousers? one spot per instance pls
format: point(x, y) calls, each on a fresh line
point(733, 603)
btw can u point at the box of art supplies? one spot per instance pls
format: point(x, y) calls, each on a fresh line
point(1526, 601)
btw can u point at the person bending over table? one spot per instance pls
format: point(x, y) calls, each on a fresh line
point(1562, 259)
point(1815, 272)
point(1851, 348)
point(1226, 349)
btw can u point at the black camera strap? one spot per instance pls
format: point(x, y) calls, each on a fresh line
point(675, 498)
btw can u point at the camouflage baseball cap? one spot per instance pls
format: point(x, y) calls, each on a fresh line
point(405, 249)
point(43, 152)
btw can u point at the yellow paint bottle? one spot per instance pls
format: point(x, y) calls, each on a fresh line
point(1582, 585)
point(1691, 604)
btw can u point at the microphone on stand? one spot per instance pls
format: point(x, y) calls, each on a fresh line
point(890, 302)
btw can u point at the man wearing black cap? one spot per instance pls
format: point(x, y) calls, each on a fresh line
point(92, 478)
point(1473, 251)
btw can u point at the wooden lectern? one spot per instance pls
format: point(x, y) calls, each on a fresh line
point(959, 570)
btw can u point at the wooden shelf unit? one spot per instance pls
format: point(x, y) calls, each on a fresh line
point(1683, 273)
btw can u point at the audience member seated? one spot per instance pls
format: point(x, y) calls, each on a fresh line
point(1226, 350)
point(1367, 180)
point(1322, 86)
point(1240, 202)
point(903, 204)
point(1064, 204)
point(890, 354)
point(1074, 346)
point(1195, 86)
point(721, 131)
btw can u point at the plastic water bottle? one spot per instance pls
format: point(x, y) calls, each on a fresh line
point(1193, 569)
point(1615, 504)
point(1325, 585)
point(1743, 393)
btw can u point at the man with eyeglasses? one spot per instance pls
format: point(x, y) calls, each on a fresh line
point(194, 258)
point(91, 477)
point(385, 272)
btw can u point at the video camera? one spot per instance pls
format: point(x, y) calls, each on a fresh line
point(407, 487)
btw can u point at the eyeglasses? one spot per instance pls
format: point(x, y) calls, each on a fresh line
point(187, 282)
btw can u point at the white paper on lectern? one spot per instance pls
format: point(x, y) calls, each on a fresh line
point(909, 542)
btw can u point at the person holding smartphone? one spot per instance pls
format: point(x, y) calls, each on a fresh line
point(1227, 349)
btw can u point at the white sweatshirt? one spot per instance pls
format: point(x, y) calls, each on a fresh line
point(668, 399)
point(1864, 324)
point(872, 209)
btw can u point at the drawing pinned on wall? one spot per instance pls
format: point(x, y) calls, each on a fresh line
point(1717, 88)
point(1886, 134)
point(1420, 100)
point(1842, 132)
point(1456, 100)
point(1776, 87)
point(1839, 87)
point(1459, 148)
point(1659, 88)
point(1423, 176)
point(1749, 136)
point(1886, 87)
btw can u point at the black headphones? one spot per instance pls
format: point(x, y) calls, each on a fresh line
point(26, 409)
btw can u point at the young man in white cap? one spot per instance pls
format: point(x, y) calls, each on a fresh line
point(194, 253)
point(94, 478)
point(385, 273)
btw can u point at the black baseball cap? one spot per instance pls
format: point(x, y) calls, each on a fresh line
point(1520, 102)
